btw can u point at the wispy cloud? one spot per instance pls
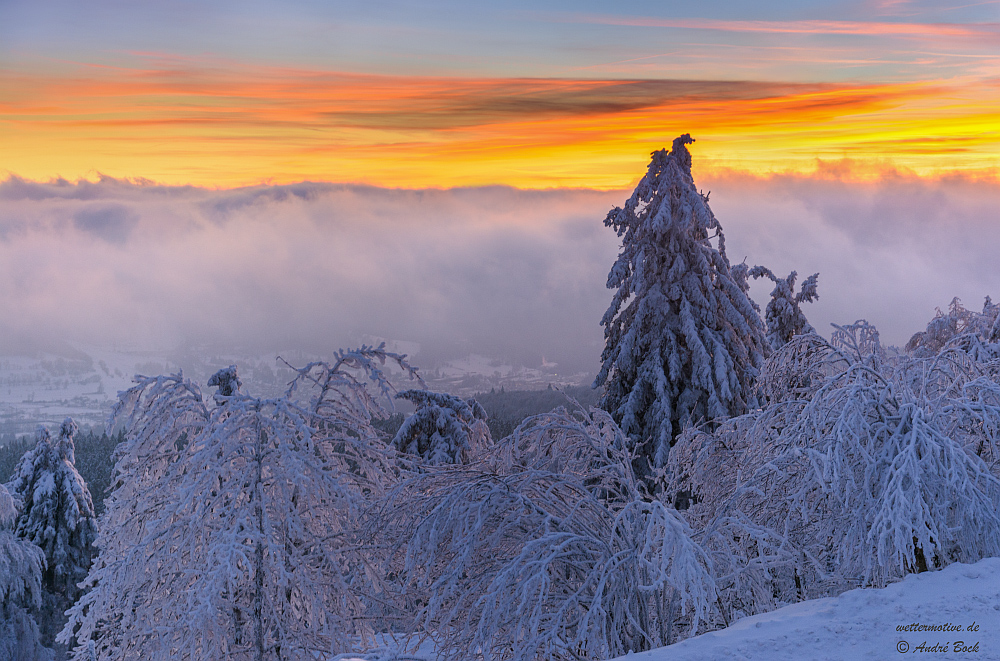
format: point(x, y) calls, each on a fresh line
point(989, 31)
point(176, 88)
point(890, 42)
point(183, 120)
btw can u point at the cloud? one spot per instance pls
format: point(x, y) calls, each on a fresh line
point(880, 29)
point(109, 222)
point(889, 248)
point(185, 120)
point(187, 91)
point(508, 273)
point(511, 273)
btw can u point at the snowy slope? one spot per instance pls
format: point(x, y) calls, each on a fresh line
point(866, 624)
point(860, 625)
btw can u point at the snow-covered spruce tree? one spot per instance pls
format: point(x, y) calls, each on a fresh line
point(545, 549)
point(57, 515)
point(21, 564)
point(247, 549)
point(684, 342)
point(783, 314)
point(443, 428)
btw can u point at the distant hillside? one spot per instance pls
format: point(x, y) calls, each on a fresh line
point(508, 408)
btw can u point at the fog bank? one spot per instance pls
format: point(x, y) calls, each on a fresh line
point(511, 274)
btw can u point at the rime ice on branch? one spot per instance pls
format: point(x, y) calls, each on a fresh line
point(240, 539)
point(865, 466)
point(545, 549)
point(971, 329)
point(21, 565)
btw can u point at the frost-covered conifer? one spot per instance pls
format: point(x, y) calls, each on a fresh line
point(246, 550)
point(683, 340)
point(783, 314)
point(57, 515)
point(443, 428)
point(21, 564)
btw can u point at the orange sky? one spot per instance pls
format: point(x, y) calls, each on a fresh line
point(181, 121)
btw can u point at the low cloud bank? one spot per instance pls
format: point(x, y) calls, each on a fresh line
point(508, 273)
point(889, 249)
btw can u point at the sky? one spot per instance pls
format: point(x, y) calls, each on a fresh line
point(535, 95)
point(313, 172)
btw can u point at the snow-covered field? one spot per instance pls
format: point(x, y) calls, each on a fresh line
point(867, 624)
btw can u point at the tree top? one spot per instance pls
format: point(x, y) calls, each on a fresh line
point(680, 151)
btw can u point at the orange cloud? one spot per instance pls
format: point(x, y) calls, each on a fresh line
point(180, 121)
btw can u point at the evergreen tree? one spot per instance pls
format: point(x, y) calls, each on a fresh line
point(783, 314)
point(11, 451)
point(57, 515)
point(21, 565)
point(95, 461)
point(684, 342)
point(443, 428)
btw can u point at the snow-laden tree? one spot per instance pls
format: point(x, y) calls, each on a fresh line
point(160, 414)
point(544, 549)
point(246, 547)
point(976, 328)
point(684, 342)
point(21, 564)
point(870, 466)
point(783, 314)
point(57, 515)
point(443, 429)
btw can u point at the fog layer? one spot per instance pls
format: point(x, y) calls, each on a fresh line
point(512, 274)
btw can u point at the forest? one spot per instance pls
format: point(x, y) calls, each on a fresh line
point(727, 461)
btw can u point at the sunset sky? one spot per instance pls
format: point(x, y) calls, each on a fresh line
point(530, 94)
point(463, 155)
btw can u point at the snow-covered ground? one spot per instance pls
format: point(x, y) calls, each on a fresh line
point(867, 624)
point(949, 614)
